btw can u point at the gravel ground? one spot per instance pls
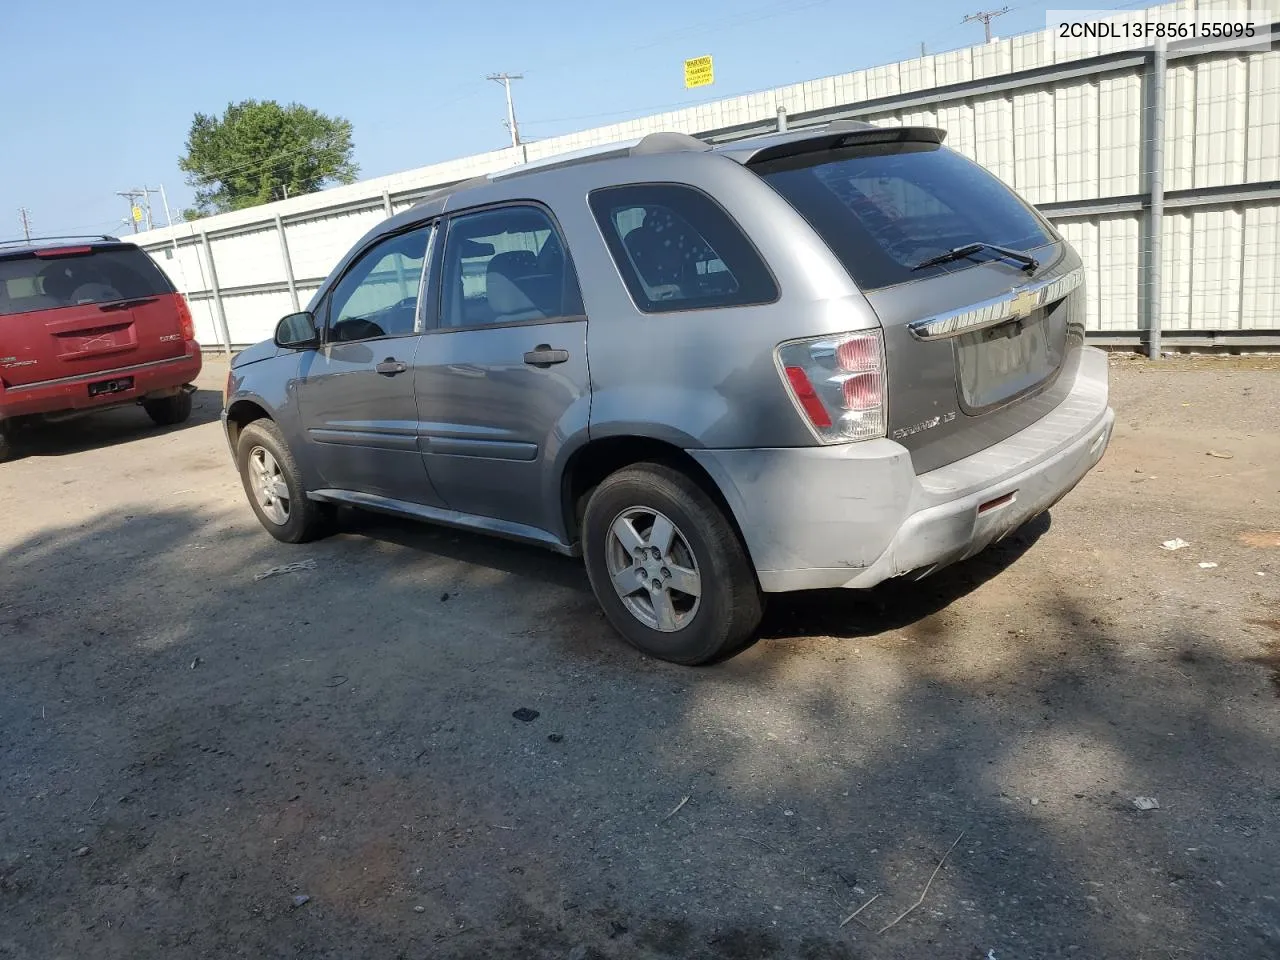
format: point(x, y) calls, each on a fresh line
point(186, 751)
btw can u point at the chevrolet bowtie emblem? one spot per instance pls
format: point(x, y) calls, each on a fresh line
point(1022, 305)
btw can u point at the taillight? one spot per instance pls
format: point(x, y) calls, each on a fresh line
point(838, 382)
point(186, 323)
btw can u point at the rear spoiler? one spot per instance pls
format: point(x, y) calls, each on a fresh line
point(832, 136)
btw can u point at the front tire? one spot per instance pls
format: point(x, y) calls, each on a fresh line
point(667, 567)
point(6, 442)
point(169, 411)
point(273, 483)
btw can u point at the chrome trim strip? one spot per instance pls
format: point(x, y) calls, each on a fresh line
point(99, 374)
point(1016, 304)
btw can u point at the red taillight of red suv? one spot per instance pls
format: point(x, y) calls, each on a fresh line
point(838, 383)
point(187, 324)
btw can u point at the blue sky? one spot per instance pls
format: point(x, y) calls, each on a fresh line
point(100, 96)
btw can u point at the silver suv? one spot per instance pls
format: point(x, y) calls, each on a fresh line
point(821, 358)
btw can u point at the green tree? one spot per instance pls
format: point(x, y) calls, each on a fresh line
point(259, 151)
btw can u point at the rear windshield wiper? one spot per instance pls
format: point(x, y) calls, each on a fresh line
point(124, 304)
point(1029, 263)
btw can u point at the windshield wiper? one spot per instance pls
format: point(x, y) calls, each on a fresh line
point(124, 304)
point(1029, 263)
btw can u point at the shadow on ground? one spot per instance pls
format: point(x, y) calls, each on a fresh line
point(107, 428)
point(184, 750)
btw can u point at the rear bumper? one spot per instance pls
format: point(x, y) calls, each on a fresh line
point(72, 393)
point(857, 514)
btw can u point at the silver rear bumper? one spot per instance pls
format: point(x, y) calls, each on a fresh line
point(856, 515)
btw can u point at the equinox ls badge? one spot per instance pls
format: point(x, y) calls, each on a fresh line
point(903, 432)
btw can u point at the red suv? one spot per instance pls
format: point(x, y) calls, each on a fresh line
point(90, 324)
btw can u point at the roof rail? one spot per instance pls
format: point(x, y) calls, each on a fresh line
point(653, 143)
point(35, 241)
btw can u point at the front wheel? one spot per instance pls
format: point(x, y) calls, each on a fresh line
point(274, 486)
point(667, 566)
point(169, 411)
point(6, 442)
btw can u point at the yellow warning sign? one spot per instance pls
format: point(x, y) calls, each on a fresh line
point(137, 214)
point(698, 72)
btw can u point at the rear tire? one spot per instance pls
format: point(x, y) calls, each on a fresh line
point(273, 483)
point(694, 602)
point(169, 411)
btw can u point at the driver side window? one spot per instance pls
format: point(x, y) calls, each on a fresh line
point(378, 296)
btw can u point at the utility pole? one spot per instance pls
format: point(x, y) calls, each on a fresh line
point(25, 215)
point(505, 79)
point(986, 16)
point(132, 196)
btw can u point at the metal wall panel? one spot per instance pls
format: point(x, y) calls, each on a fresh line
point(1076, 141)
point(1221, 108)
point(958, 122)
point(205, 322)
point(993, 136)
point(1118, 258)
point(317, 245)
point(1179, 126)
point(1082, 234)
point(247, 314)
point(1260, 300)
point(248, 258)
point(1175, 306)
point(1033, 146)
point(1215, 268)
point(1119, 135)
point(1263, 128)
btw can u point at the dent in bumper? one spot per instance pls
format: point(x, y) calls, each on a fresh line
point(857, 514)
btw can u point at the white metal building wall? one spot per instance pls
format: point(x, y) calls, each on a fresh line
point(1075, 140)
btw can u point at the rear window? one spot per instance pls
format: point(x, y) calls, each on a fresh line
point(884, 208)
point(678, 250)
point(29, 283)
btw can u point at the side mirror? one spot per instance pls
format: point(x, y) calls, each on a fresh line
point(297, 331)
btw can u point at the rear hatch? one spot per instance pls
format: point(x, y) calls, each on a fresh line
point(980, 343)
point(72, 311)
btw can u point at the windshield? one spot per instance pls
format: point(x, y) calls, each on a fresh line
point(884, 208)
point(29, 283)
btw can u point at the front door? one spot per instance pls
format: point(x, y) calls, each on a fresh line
point(356, 391)
point(502, 378)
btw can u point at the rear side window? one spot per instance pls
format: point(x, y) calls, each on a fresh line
point(678, 250)
point(884, 208)
point(29, 283)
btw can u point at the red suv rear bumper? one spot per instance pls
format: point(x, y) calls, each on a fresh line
point(72, 393)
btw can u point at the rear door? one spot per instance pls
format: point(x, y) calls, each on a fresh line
point(71, 311)
point(355, 392)
point(502, 378)
point(978, 346)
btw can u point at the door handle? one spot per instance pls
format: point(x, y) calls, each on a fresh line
point(390, 367)
point(543, 356)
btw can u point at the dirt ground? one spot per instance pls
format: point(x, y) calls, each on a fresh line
point(185, 749)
